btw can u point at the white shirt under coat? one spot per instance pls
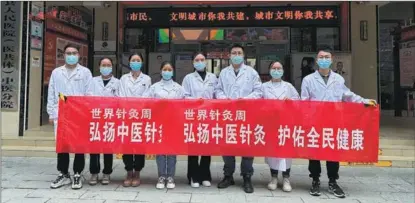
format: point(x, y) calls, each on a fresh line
point(245, 85)
point(130, 87)
point(195, 87)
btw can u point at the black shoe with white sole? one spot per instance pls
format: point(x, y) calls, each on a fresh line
point(335, 189)
point(61, 180)
point(315, 188)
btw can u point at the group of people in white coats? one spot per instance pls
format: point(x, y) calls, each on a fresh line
point(237, 81)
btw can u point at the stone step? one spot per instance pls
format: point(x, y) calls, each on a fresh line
point(384, 161)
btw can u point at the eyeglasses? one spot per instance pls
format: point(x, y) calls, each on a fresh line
point(71, 53)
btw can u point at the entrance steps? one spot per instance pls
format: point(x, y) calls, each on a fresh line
point(392, 152)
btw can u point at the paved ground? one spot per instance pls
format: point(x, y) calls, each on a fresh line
point(27, 180)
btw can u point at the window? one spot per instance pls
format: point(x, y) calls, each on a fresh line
point(328, 37)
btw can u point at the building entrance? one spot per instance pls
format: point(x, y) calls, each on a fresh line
point(261, 46)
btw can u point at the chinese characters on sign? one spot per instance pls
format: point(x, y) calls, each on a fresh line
point(10, 45)
point(232, 15)
point(219, 128)
point(198, 128)
point(342, 140)
point(141, 128)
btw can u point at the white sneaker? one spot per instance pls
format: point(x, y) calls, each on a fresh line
point(194, 184)
point(286, 185)
point(60, 181)
point(161, 183)
point(77, 182)
point(273, 184)
point(206, 183)
point(170, 183)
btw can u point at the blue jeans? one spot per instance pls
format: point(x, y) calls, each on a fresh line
point(166, 165)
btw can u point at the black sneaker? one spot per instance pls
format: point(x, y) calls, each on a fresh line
point(60, 181)
point(226, 182)
point(315, 188)
point(335, 189)
point(248, 188)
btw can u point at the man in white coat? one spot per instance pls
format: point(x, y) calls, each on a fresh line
point(238, 81)
point(326, 85)
point(71, 79)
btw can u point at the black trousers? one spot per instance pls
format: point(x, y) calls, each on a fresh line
point(198, 172)
point(133, 162)
point(63, 163)
point(95, 166)
point(285, 174)
point(314, 167)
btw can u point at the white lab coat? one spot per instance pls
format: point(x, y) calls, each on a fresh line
point(165, 89)
point(279, 90)
point(134, 88)
point(195, 87)
point(245, 85)
point(313, 88)
point(75, 84)
point(97, 88)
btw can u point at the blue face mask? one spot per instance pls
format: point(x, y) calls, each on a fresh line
point(167, 75)
point(135, 66)
point(105, 71)
point(71, 59)
point(324, 63)
point(276, 74)
point(199, 66)
point(236, 59)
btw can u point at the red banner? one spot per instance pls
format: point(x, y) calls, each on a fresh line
point(271, 128)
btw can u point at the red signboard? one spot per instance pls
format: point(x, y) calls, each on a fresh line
point(222, 16)
point(295, 129)
point(64, 29)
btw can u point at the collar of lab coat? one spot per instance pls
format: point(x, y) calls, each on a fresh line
point(274, 85)
point(101, 81)
point(65, 72)
point(319, 78)
point(241, 72)
point(130, 75)
point(197, 75)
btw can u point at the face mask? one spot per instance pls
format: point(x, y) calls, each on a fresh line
point(324, 63)
point(167, 75)
point(105, 71)
point(135, 66)
point(71, 59)
point(237, 59)
point(276, 74)
point(199, 66)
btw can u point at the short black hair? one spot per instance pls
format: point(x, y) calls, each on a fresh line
point(273, 62)
point(325, 49)
point(100, 60)
point(237, 46)
point(136, 54)
point(70, 45)
point(197, 53)
point(159, 56)
point(165, 63)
